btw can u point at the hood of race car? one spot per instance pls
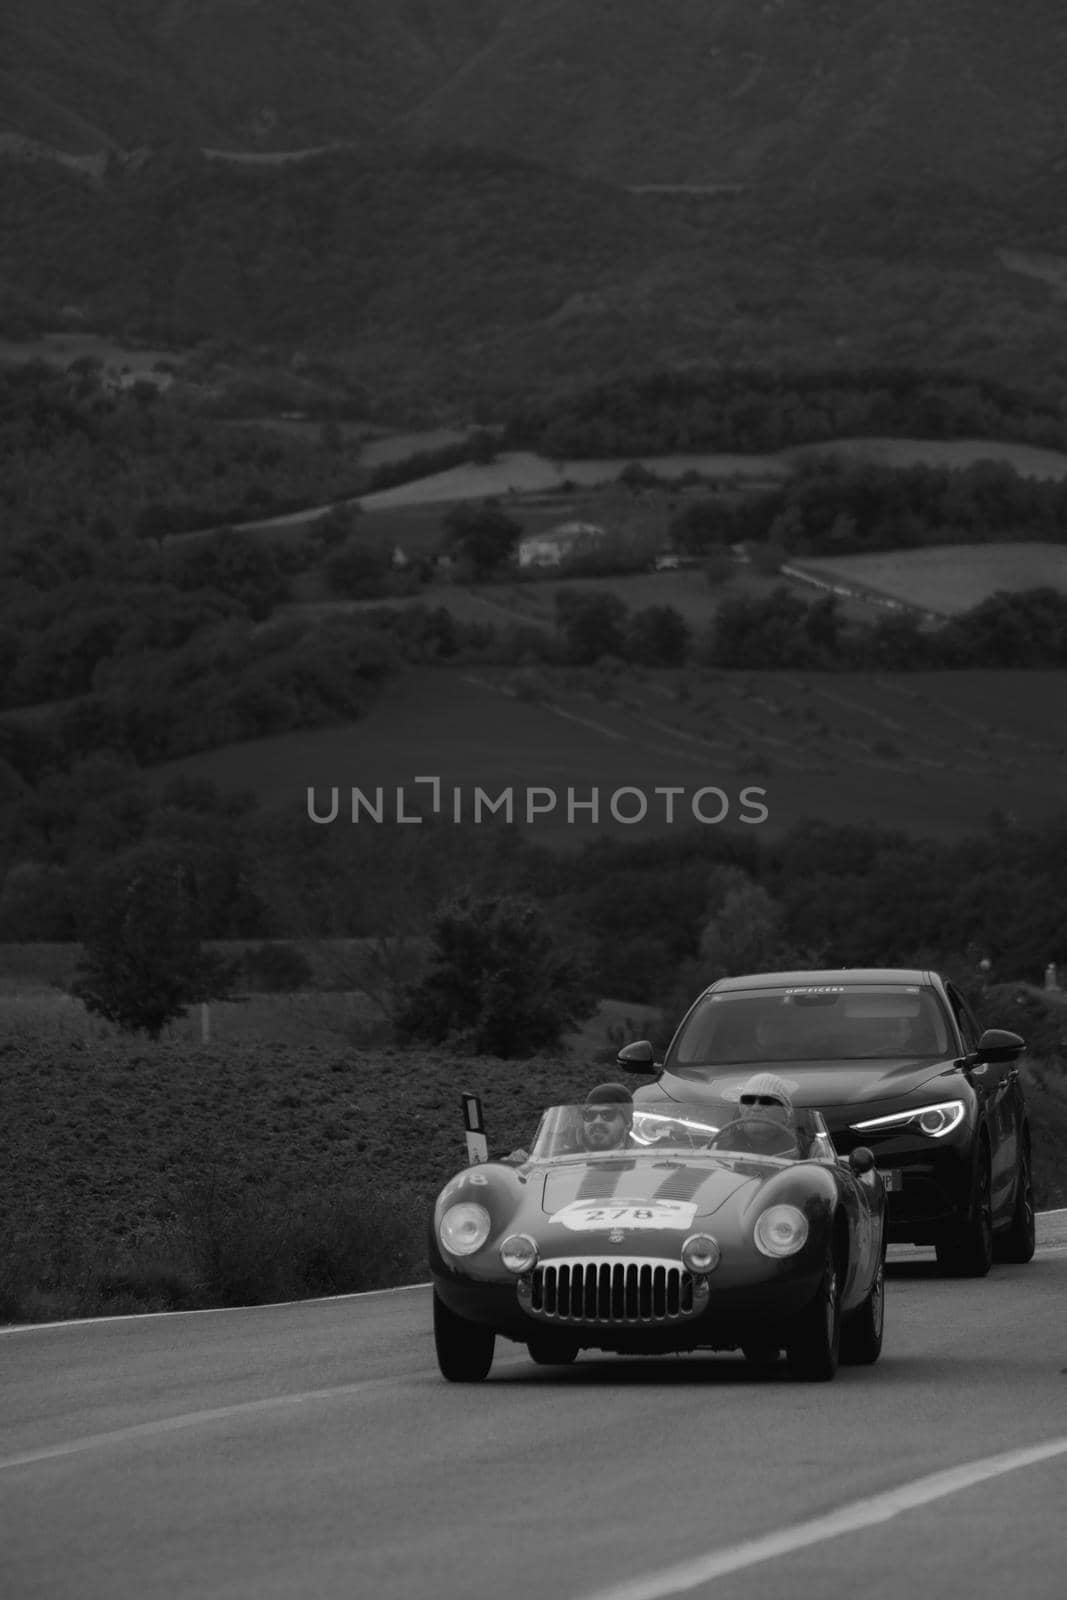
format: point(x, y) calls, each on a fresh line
point(700, 1187)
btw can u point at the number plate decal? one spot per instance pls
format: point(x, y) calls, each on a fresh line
point(891, 1178)
point(595, 1216)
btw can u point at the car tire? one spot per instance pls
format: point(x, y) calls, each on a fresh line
point(815, 1341)
point(965, 1250)
point(552, 1350)
point(861, 1330)
point(464, 1349)
point(761, 1355)
point(1019, 1239)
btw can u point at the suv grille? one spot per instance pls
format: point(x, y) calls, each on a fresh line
point(617, 1291)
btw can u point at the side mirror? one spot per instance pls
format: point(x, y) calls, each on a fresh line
point(998, 1044)
point(861, 1160)
point(637, 1057)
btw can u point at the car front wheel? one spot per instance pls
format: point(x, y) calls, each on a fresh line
point(861, 1331)
point(762, 1356)
point(464, 1349)
point(552, 1350)
point(965, 1250)
point(815, 1342)
point(1018, 1241)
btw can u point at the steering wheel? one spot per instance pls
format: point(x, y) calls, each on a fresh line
point(753, 1146)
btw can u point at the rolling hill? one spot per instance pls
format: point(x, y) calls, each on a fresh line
point(516, 196)
point(822, 94)
point(473, 275)
point(85, 74)
point(826, 94)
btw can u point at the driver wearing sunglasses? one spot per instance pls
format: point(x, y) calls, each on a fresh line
point(764, 1121)
point(606, 1117)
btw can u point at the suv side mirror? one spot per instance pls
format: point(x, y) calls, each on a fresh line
point(861, 1160)
point(998, 1044)
point(637, 1057)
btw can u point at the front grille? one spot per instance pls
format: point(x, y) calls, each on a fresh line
point(627, 1293)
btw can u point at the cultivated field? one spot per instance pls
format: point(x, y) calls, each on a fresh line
point(930, 753)
point(523, 472)
point(949, 578)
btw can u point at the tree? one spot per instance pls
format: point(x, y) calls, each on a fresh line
point(143, 962)
point(657, 636)
point(360, 571)
point(701, 526)
point(498, 982)
point(592, 622)
point(483, 446)
point(484, 535)
point(744, 933)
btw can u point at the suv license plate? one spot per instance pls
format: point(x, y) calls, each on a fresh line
point(892, 1178)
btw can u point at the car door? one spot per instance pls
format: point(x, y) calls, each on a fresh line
point(993, 1083)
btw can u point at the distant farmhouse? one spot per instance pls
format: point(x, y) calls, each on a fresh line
point(557, 545)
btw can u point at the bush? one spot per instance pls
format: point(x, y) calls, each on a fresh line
point(1015, 1006)
point(249, 1248)
point(498, 984)
point(223, 1245)
point(484, 536)
point(359, 571)
point(657, 636)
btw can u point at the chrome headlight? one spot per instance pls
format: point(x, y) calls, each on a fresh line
point(781, 1231)
point(518, 1252)
point(464, 1228)
point(701, 1253)
point(934, 1120)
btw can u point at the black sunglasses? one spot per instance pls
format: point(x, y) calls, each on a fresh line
point(759, 1100)
point(608, 1114)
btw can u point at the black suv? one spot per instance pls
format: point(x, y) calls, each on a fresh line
point(895, 1060)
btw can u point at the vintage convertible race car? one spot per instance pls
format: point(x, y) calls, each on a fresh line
point(704, 1227)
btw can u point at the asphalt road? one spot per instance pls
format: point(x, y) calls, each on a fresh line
point(312, 1450)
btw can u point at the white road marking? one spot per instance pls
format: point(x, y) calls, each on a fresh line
point(173, 1424)
point(186, 1419)
point(852, 1518)
point(193, 1419)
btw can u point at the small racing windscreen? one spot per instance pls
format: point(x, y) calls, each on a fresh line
point(744, 1125)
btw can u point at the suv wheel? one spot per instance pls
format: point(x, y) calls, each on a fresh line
point(965, 1250)
point(1017, 1242)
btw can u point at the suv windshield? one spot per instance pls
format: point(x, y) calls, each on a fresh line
point(756, 1127)
point(824, 1023)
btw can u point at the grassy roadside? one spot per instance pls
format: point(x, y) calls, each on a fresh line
point(137, 1177)
point(256, 1168)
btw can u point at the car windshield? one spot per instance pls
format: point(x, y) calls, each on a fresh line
point(821, 1023)
point(752, 1125)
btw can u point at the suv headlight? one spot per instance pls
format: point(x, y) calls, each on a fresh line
point(464, 1228)
point(781, 1231)
point(934, 1120)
